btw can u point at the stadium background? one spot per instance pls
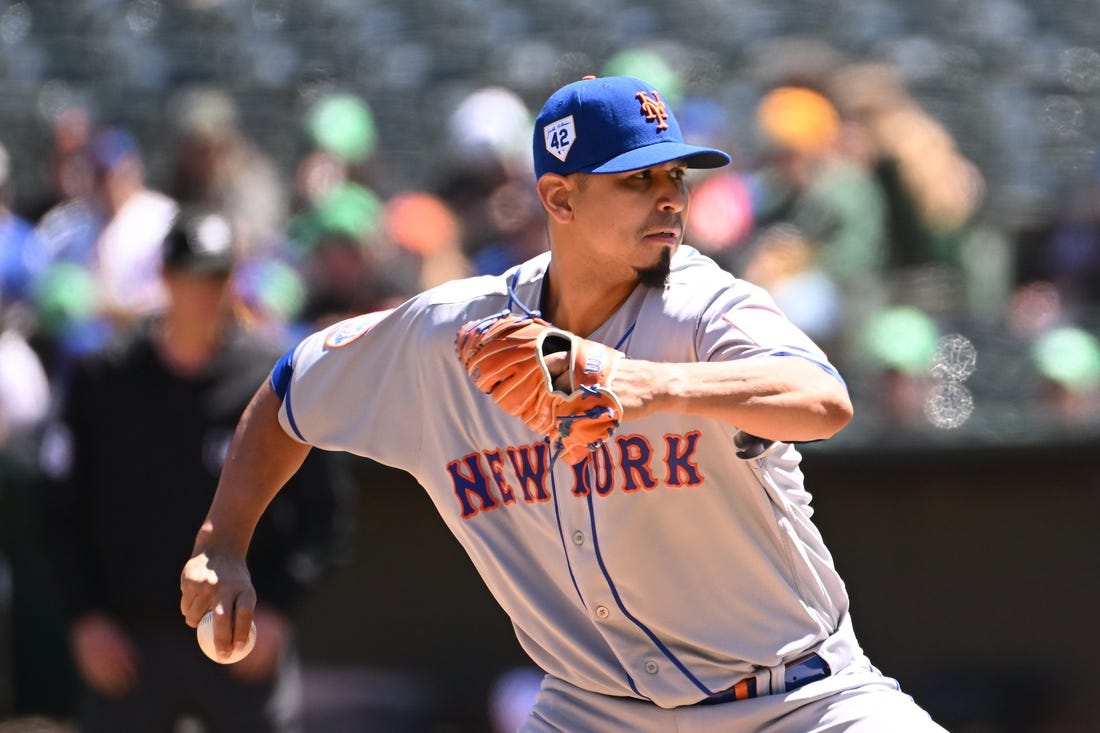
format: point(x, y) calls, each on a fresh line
point(964, 539)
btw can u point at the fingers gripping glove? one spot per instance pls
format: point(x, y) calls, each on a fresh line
point(505, 357)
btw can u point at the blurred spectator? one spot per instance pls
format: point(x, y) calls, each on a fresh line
point(115, 231)
point(520, 231)
point(1065, 356)
point(343, 280)
point(805, 180)
point(721, 216)
point(932, 192)
point(490, 125)
point(28, 616)
point(337, 206)
point(270, 298)
point(356, 252)
point(21, 254)
point(341, 139)
point(1068, 359)
point(899, 345)
point(135, 458)
point(466, 189)
point(486, 182)
point(342, 125)
point(808, 182)
point(347, 268)
point(68, 319)
point(932, 189)
point(1035, 307)
point(69, 167)
point(421, 224)
point(1063, 249)
point(784, 264)
point(24, 391)
point(216, 166)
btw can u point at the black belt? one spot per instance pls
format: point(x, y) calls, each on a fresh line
point(801, 671)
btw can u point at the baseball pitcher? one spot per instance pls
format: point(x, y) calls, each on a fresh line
point(608, 429)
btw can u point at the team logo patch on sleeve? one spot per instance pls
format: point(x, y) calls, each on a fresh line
point(344, 332)
point(559, 137)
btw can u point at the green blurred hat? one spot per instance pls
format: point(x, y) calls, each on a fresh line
point(64, 294)
point(901, 338)
point(1069, 356)
point(343, 124)
point(348, 209)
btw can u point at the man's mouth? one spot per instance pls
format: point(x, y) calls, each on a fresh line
point(667, 237)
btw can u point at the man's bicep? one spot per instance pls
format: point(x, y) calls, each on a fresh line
point(750, 324)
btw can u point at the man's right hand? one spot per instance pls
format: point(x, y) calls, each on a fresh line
point(218, 582)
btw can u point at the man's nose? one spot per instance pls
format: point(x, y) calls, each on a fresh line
point(673, 196)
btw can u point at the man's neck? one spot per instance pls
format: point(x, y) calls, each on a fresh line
point(578, 301)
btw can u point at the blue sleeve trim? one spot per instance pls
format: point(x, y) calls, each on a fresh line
point(280, 382)
point(281, 374)
point(827, 368)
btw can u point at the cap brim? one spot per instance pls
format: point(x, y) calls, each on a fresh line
point(692, 156)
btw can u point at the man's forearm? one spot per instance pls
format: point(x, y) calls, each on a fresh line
point(262, 457)
point(780, 398)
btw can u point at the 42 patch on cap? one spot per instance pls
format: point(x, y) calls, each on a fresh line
point(559, 136)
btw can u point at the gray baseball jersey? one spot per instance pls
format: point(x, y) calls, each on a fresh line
point(661, 567)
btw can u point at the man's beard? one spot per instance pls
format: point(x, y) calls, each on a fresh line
point(656, 275)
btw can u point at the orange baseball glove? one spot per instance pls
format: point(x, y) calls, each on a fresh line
point(505, 356)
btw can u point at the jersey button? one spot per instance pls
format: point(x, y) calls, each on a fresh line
point(651, 666)
point(602, 612)
point(578, 538)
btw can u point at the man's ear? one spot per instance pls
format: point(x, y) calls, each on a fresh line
point(555, 193)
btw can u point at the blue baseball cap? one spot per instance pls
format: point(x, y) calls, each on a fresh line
point(612, 124)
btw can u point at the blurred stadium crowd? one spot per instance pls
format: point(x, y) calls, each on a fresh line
point(915, 183)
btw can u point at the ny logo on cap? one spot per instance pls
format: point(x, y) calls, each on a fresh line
point(654, 109)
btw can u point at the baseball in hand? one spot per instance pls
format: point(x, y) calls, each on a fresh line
point(205, 634)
